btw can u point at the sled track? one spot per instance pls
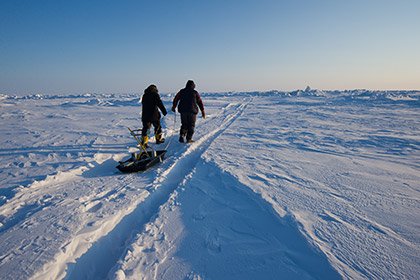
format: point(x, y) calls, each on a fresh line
point(101, 258)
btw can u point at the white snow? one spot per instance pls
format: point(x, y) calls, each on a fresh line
point(278, 185)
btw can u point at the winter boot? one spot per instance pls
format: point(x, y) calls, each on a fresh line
point(182, 134)
point(159, 139)
point(189, 137)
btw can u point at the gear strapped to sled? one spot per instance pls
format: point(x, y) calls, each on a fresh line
point(144, 159)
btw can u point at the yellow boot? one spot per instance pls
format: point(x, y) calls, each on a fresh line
point(159, 138)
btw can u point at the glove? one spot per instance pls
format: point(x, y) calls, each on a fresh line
point(173, 109)
point(203, 114)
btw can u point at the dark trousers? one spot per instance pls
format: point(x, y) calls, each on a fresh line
point(147, 126)
point(187, 125)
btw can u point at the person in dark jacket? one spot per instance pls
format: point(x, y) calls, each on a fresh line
point(189, 103)
point(150, 115)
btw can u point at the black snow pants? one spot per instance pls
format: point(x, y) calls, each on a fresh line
point(187, 125)
point(147, 126)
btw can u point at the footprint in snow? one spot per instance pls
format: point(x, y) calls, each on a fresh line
point(198, 217)
point(212, 243)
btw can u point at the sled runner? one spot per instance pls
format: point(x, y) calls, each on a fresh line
point(141, 161)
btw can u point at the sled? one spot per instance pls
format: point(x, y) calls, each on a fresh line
point(143, 160)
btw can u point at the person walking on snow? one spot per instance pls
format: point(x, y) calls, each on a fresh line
point(189, 102)
point(150, 115)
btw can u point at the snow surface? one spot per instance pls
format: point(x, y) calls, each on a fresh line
point(278, 185)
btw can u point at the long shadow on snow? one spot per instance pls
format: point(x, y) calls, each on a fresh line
point(230, 232)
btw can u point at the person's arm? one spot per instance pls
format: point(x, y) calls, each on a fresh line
point(175, 102)
point(201, 106)
point(161, 106)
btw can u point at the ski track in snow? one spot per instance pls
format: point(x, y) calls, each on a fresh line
point(308, 185)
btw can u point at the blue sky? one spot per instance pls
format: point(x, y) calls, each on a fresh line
point(56, 46)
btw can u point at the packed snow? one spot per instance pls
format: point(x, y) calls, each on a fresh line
point(278, 185)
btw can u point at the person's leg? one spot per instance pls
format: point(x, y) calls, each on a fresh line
point(190, 127)
point(144, 132)
point(158, 132)
point(183, 130)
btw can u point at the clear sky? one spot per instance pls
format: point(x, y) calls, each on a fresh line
point(55, 46)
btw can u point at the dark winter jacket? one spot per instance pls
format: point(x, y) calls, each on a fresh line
point(189, 100)
point(151, 102)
